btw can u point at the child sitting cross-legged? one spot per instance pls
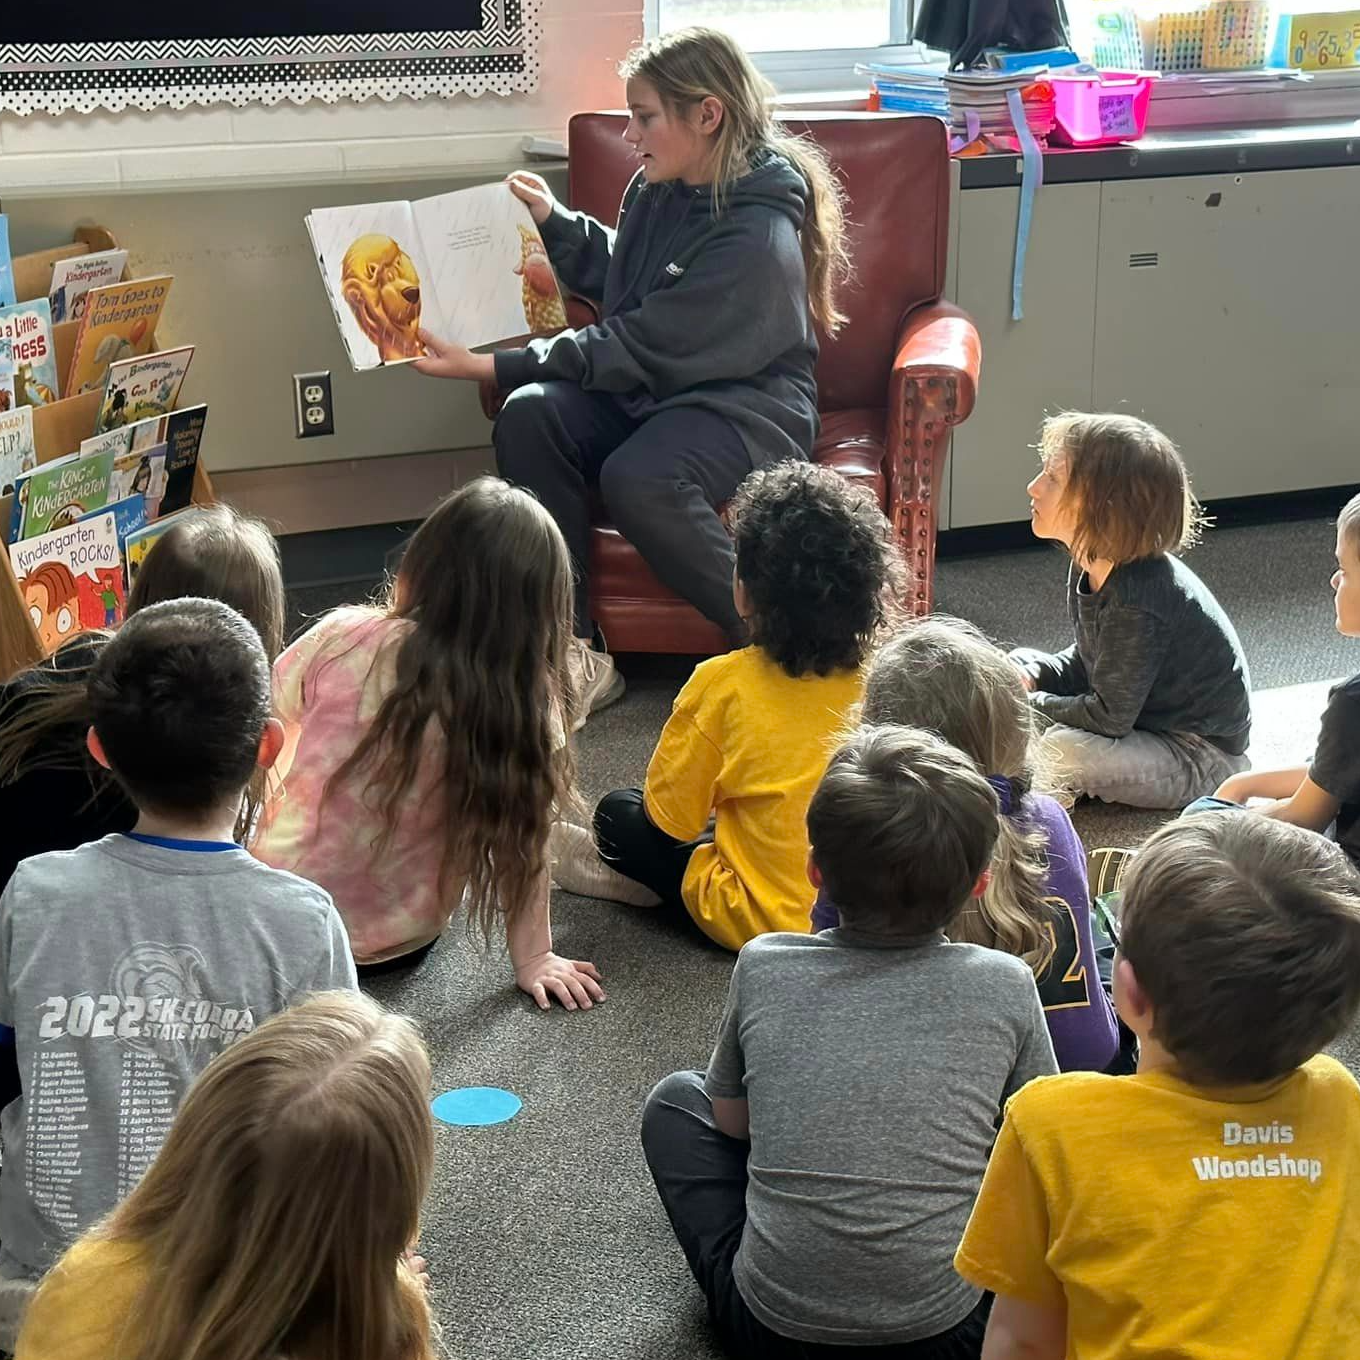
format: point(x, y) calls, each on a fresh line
point(944, 675)
point(749, 735)
point(819, 1174)
point(1207, 1207)
point(127, 963)
point(1151, 705)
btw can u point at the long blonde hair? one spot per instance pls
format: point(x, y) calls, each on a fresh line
point(692, 64)
point(274, 1220)
point(482, 689)
point(943, 674)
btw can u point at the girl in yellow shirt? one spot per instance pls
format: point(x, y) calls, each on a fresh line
point(278, 1216)
point(718, 828)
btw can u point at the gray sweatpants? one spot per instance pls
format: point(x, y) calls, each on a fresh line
point(661, 480)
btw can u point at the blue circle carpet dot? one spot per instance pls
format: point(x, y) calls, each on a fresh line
point(476, 1105)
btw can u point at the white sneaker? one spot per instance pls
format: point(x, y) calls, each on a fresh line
point(597, 680)
point(577, 867)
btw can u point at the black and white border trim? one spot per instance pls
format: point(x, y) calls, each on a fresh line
point(501, 58)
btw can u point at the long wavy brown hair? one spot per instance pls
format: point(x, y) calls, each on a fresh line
point(213, 552)
point(275, 1219)
point(481, 687)
point(691, 64)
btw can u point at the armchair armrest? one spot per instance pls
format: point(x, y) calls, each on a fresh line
point(940, 341)
point(932, 387)
point(580, 312)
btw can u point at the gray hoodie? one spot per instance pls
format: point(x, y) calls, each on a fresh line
point(697, 309)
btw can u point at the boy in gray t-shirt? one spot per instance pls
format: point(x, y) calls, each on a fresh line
point(128, 964)
point(820, 1175)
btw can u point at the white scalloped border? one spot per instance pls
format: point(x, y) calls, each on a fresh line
point(386, 87)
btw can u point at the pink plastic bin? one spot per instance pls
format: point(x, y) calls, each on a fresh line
point(1100, 110)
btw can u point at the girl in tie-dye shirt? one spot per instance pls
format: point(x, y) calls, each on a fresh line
point(425, 745)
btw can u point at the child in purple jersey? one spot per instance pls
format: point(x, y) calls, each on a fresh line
point(943, 674)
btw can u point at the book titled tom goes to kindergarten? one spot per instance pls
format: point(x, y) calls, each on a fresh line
point(469, 266)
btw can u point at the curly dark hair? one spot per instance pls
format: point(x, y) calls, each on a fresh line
point(819, 566)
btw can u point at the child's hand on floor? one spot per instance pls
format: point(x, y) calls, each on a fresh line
point(417, 1265)
point(574, 982)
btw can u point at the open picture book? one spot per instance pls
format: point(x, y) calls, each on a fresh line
point(468, 266)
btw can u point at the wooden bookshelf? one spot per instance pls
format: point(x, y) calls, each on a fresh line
point(58, 429)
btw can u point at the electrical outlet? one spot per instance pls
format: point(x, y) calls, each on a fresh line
point(312, 404)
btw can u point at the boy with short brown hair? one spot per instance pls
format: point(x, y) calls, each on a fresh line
point(1239, 960)
point(818, 1175)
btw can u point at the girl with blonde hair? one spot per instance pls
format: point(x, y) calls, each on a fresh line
point(729, 250)
point(425, 744)
point(227, 1249)
point(944, 675)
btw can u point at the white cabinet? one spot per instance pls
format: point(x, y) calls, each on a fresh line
point(1224, 308)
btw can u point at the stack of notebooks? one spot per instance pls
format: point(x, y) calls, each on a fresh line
point(983, 93)
point(952, 95)
point(909, 89)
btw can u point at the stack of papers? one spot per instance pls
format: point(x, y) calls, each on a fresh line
point(910, 89)
point(983, 94)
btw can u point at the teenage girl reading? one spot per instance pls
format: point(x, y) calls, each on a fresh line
point(729, 245)
point(426, 746)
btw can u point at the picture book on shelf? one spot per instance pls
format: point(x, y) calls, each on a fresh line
point(119, 323)
point(7, 402)
point(71, 579)
point(119, 440)
point(6, 265)
point(469, 266)
point(72, 280)
point(137, 389)
point(130, 515)
point(60, 492)
point(28, 326)
point(181, 434)
point(138, 544)
point(18, 453)
point(139, 472)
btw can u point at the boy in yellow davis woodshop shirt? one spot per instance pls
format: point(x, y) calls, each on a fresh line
point(719, 830)
point(1207, 1207)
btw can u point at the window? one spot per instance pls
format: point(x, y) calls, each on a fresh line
point(800, 44)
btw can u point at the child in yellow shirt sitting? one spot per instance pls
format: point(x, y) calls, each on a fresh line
point(719, 827)
point(1221, 1218)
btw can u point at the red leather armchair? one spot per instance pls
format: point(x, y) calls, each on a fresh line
point(902, 371)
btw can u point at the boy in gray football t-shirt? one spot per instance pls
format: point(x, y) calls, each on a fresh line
point(128, 964)
point(820, 1175)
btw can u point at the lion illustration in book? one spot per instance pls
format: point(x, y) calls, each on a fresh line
point(543, 308)
point(382, 288)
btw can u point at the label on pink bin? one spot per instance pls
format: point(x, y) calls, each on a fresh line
point(1116, 115)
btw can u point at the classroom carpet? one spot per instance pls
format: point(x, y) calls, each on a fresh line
point(545, 1239)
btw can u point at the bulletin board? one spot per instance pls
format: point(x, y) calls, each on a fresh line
point(85, 55)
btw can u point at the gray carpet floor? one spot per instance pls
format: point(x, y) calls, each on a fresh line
point(545, 1238)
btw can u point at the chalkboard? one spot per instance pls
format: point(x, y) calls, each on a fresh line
point(82, 55)
point(100, 21)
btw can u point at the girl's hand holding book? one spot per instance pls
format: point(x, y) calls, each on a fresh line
point(445, 359)
point(533, 192)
